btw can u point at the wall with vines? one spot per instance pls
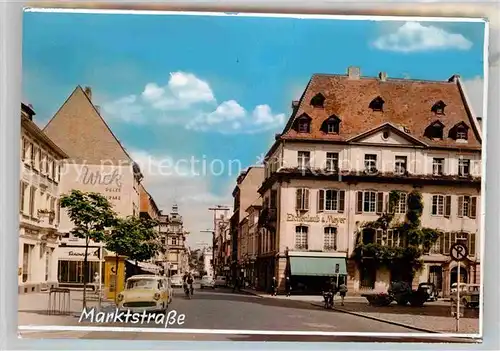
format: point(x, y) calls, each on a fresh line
point(403, 260)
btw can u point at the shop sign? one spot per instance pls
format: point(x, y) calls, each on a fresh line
point(108, 183)
point(328, 219)
point(78, 253)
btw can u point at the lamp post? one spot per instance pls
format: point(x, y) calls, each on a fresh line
point(215, 209)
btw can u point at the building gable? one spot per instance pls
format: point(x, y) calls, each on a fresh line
point(388, 135)
point(78, 128)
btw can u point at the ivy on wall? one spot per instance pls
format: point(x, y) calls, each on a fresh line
point(404, 260)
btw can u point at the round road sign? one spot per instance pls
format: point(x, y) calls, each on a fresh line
point(458, 252)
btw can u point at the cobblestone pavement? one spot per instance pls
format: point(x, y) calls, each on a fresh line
point(222, 310)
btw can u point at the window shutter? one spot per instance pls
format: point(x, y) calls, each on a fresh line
point(472, 244)
point(447, 244)
point(441, 243)
point(306, 199)
point(341, 201)
point(460, 206)
point(447, 206)
point(298, 199)
point(359, 202)
point(473, 207)
point(321, 200)
point(380, 203)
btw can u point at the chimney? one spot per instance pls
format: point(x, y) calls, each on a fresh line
point(98, 108)
point(353, 72)
point(295, 104)
point(480, 122)
point(382, 76)
point(88, 92)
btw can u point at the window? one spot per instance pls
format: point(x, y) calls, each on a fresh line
point(330, 239)
point(400, 207)
point(32, 201)
point(27, 249)
point(274, 198)
point(301, 237)
point(436, 247)
point(47, 265)
point(463, 167)
point(369, 201)
point(438, 205)
point(368, 276)
point(468, 239)
point(44, 164)
point(391, 239)
point(318, 100)
point(377, 104)
point(331, 200)
point(22, 199)
point(52, 209)
point(371, 163)
point(332, 161)
point(435, 130)
point(304, 159)
point(304, 125)
point(437, 166)
point(461, 133)
point(174, 241)
point(24, 151)
point(54, 170)
point(467, 206)
point(400, 165)
point(332, 127)
point(438, 107)
point(33, 154)
point(59, 173)
point(302, 198)
point(58, 209)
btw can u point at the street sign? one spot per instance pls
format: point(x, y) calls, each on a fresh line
point(458, 252)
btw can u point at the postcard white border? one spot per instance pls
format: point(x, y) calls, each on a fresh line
point(9, 106)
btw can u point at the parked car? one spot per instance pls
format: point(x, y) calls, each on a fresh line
point(453, 291)
point(176, 281)
point(431, 290)
point(471, 297)
point(220, 281)
point(207, 282)
point(403, 294)
point(145, 292)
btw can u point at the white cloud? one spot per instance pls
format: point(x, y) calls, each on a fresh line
point(171, 180)
point(475, 92)
point(189, 101)
point(414, 37)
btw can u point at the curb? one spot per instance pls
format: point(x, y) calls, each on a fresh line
point(253, 293)
point(381, 320)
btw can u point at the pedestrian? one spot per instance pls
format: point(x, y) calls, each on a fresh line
point(96, 282)
point(342, 292)
point(274, 286)
point(288, 286)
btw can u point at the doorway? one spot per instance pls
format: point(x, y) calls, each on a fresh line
point(463, 275)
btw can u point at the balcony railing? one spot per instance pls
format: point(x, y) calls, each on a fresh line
point(303, 247)
point(330, 248)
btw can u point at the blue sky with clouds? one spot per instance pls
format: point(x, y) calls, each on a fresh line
point(173, 87)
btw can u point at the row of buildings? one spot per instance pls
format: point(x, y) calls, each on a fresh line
point(78, 150)
point(350, 143)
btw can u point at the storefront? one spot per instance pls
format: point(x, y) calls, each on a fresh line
point(71, 270)
point(310, 271)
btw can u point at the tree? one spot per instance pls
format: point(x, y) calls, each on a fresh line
point(135, 238)
point(91, 214)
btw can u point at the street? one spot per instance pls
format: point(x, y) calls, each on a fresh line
point(220, 309)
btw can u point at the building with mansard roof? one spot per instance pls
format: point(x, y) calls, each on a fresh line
point(349, 143)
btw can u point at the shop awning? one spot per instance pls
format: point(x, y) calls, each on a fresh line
point(318, 266)
point(146, 266)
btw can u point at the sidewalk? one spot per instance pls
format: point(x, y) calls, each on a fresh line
point(32, 308)
point(432, 317)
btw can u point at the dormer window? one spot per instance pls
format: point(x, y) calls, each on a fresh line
point(460, 132)
point(331, 125)
point(438, 107)
point(377, 104)
point(318, 100)
point(435, 130)
point(303, 124)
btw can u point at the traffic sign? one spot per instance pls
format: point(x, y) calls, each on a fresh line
point(458, 252)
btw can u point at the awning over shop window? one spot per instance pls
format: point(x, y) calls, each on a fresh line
point(318, 266)
point(146, 266)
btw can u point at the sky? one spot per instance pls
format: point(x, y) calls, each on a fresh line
point(197, 99)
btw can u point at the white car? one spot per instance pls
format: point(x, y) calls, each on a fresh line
point(145, 292)
point(220, 281)
point(176, 281)
point(207, 282)
point(463, 287)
